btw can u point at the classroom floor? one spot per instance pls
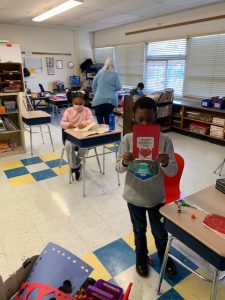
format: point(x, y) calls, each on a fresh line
point(38, 205)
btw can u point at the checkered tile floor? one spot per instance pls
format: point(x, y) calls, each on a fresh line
point(116, 262)
point(29, 170)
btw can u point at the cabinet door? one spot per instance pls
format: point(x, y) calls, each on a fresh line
point(10, 53)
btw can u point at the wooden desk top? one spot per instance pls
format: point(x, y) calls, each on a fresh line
point(81, 135)
point(209, 200)
point(34, 114)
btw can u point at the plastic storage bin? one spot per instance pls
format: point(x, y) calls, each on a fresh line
point(200, 129)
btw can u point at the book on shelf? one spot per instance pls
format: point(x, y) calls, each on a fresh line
point(7, 125)
point(10, 105)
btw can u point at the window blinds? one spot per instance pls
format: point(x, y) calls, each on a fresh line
point(205, 71)
point(101, 54)
point(165, 65)
point(130, 63)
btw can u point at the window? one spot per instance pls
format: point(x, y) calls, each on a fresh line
point(101, 54)
point(130, 63)
point(165, 66)
point(205, 72)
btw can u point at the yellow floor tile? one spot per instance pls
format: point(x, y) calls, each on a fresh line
point(99, 270)
point(50, 156)
point(11, 165)
point(129, 239)
point(195, 288)
point(22, 180)
point(61, 171)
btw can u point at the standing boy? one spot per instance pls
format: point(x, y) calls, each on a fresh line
point(146, 197)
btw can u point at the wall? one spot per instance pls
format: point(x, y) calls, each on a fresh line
point(116, 35)
point(41, 39)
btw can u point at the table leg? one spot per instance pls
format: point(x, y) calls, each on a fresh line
point(103, 160)
point(215, 284)
point(168, 247)
point(31, 142)
point(96, 154)
point(118, 175)
point(42, 134)
point(49, 131)
point(84, 174)
point(220, 167)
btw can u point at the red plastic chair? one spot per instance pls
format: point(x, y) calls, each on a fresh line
point(172, 184)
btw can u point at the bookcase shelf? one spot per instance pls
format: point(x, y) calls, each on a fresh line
point(13, 137)
point(206, 115)
point(11, 72)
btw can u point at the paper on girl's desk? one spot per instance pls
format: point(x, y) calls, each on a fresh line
point(98, 130)
point(88, 127)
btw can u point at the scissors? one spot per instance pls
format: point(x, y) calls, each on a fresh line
point(183, 203)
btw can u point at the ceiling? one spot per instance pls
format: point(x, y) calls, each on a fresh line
point(93, 15)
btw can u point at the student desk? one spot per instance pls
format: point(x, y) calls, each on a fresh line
point(37, 118)
point(35, 102)
point(80, 140)
point(57, 103)
point(205, 242)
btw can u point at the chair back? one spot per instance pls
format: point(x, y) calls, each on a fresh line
point(41, 88)
point(172, 184)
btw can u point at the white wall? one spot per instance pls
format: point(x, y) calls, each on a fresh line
point(54, 40)
point(116, 35)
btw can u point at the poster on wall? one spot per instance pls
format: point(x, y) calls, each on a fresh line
point(50, 65)
point(59, 64)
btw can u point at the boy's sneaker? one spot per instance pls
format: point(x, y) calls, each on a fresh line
point(142, 270)
point(77, 172)
point(171, 269)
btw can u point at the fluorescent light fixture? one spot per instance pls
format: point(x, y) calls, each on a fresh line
point(57, 10)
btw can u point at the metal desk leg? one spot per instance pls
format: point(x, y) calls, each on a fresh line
point(215, 284)
point(103, 160)
point(31, 143)
point(220, 167)
point(84, 173)
point(49, 131)
point(42, 134)
point(61, 158)
point(169, 244)
point(96, 154)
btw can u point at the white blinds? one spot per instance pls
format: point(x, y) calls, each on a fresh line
point(205, 71)
point(101, 54)
point(165, 65)
point(130, 63)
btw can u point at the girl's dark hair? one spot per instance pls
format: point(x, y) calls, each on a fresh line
point(77, 95)
point(145, 103)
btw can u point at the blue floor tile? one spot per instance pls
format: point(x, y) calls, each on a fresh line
point(171, 295)
point(116, 257)
point(55, 163)
point(42, 175)
point(16, 172)
point(31, 161)
point(182, 273)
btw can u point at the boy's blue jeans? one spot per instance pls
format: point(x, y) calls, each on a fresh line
point(139, 221)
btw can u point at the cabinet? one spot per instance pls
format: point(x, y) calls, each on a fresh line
point(190, 117)
point(11, 77)
point(11, 129)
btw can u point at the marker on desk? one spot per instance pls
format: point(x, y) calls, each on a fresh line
point(179, 208)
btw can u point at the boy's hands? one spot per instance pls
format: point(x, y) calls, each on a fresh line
point(163, 159)
point(127, 158)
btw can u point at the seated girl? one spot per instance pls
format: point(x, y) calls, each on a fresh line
point(76, 116)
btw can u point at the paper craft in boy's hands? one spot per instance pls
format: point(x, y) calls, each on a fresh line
point(146, 141)
point(57, 268)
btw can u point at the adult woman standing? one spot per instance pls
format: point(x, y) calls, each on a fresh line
point(105, 86)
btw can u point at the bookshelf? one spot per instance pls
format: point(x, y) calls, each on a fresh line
point(186, 113)
point(11, 77)
point(11, 132)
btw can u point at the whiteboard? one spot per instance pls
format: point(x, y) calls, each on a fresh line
point(10, 53)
